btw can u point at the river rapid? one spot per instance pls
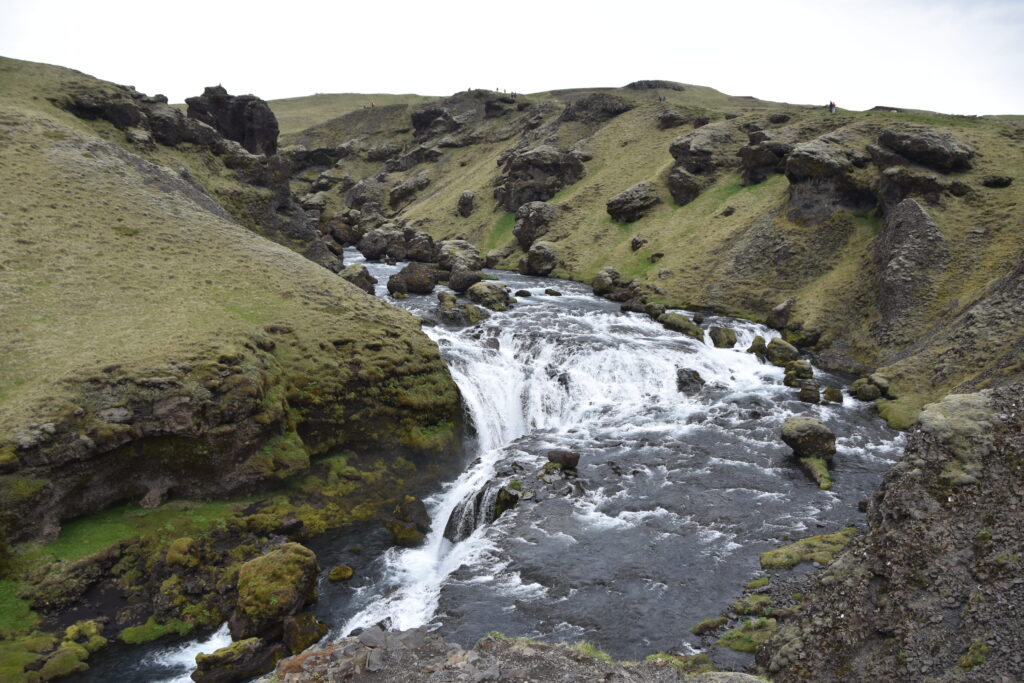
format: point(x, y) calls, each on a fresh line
point(675, 497)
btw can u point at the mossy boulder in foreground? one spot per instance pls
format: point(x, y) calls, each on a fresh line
point(237, 661)
point(270, 588)
point(809, 438)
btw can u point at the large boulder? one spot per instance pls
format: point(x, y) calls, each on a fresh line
point(778, 317)
point(463, 278)
point(415, 278)
point(689, 381)
point(358, 275)
point(409, 523)
point(366, 192)
point(419, 246)
point(407, 189)
point(722, 337)
point(246, 119)
point(935, 149)
point(467, 202)
point(683, 186)
point(452, 313)
point(381, 242)
point(490, 294)
point(271, 587)
point(780, 352)
point(705, 149)
point(821, 158)
point(680, 323)
point(809, 438)
point(532, 221)
point(238, 661)
point(541, 260)
point(631, 204)
point(452, 253)
point(595, 108)
point(535, 175)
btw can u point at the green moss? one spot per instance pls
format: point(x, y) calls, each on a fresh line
point(88, 634)
point(16, 489)
point(268, 585)
point(516, 485)
point(182, 552)
point(17, 653)
point(688, 664)
point(900, 413)
point(817, 469)
point(749, 635)
point(151, 630)
point(435, 438)
point(587, 650)
point(757, 583)
point(819, 549)
point(68, 659)
point(342, 572)
point(976, 654)
point(708, 625)
point(282, 457)
point(16, 615)
point(752, 605)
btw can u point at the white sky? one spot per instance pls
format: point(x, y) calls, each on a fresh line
point(954, 56)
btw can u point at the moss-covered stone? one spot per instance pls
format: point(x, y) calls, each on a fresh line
point(182, 552)
point(152, 630)
point(271, 587)
point(780, 352)
point(833, 395)
point(240, 660)
point(818, 549)
point(302, 631)
point(709, 625)
point(69, 658)
point(755, 604)
point(722, 337)
point(686, 664)
point(864, 390)
point(342, 572)
point(817, 470)
point(88, 634)
point(680, 323)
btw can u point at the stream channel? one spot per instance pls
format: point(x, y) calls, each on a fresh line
point(676, 494)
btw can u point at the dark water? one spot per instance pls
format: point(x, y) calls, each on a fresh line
point(675, 497)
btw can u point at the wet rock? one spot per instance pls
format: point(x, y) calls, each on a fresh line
point(631, 204)
point(302, 631)
point(864, 390)
point(810, 391)
point(490, 294)
point(759, 348)
point(532, 221)
point(833, 395)
point(246, 119)
point(415, 278)
point(634, 306)
point(689, 381)
point(680, 323)
point(523, 293)
point(606, 280)
point(342, 572)
point(467, 202)
point(451, 253)
point(779, 352)
point(778, 317)
point(419, 246)
point(452, 313)
point(358, 275)
point(270, 588)
point(409, 523)
point(796, 372)
point(541, 259)
point(722, 337)
point(683, 186)
point(535, 175)
point(567, 460)
point(929, 147)
point(238, 661)
point(809, 438)
point(552, 292)
point(462, 278)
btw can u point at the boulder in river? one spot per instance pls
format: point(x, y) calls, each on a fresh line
point(541, 260)
point(722, 337)
point(462, 278)
point(810, 391)
point(759, 348)
point(780, 352)
point(238, 661)
point(680, 323)
point(451, 253)
point(567, 460)
point(409, 523)
point(302, 631)
point(809, 438)
point(532, 221)
point(415, 278)
point(490, 294)
point(832, 395)
point(358, 275)
point(270, 588)
point(688, 381)
point(864, 389)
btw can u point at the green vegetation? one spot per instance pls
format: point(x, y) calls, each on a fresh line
point(752, 605)
point(687, 664)
point(817, 469)
point(757, 583)
point(749, 635)
point(501, 233)
point(587, 650)
point(976, 654)
point(818, 549)
point(152, 630)
point(16, 615)
point(708, 625)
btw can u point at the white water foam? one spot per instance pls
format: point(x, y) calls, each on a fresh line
point(180, 660)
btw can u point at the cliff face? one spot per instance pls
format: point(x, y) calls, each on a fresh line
point(894, 231)
point(933, 588)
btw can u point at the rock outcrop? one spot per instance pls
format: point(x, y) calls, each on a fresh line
point(935, 149)
point(541, 259)
point(535, 175)
point(532, 221)
point(631, 204)
point(246, 119)
point(271, 587)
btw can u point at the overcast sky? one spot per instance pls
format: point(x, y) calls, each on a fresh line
point(954, 56)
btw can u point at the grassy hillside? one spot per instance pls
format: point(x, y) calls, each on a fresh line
point(743, 247)
point(296, 114)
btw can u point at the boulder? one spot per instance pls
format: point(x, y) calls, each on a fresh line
point(552, 292)
point(381, 242)
point(419, 246)
point(451, 253)
point(523, 293)
point(358, 275)
point(809, 438)
point(532, 221)
point(606, 280)
point(631, 204)
point(821, 158)
point(779, 352)
point(680, 323)
point(567, 460)
point(415, 278)
point(759, 348)
point(929, 147)
point(342, 572)
point(541, 260)
point(833, 395)
point(490, 294)
point(595, 108)
point(407, 189)
point(467, 202)
point(535, 175)
point(778, 317)
point(864, 390)
point(997, 181)
point(705, 149)
point(303, 631)
point(634, 306)
point(689, 381)
point(246, 119)
point(763, 156)
point(463, 278)
point(683, 186)
point(451, 313)
point(238, 661)
point(409, 523)
point(670, 118)
point(637, 242)
point(270, 588)
point(810, 391)
point(722, 337)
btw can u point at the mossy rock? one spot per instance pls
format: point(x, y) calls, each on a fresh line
point(865, 390)
point(820, 549)
point(817, 470)
point(722, 337)
point(680, 323)
point(69, 658)
point(780, 352)
point(88, 634)
point(405, 534)
point(342, 572)
point(749, 635)
point(152, 630)
point(302, 631)
point(271, 587)
point(759, 348)
point(182, 551)
point(756, 604)
point(240, 660)
point(833, 395)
